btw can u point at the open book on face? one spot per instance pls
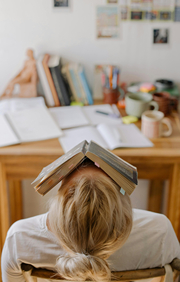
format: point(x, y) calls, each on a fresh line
point(109, 136)
point(124, 174)
point(74, 116)
point(33, 124)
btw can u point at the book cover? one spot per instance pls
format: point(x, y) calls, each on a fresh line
point(54, 66)
point(83, 94)
point(75, 82)
point(44, 82)
point(50, 80)
point(66, 73)
point(124, 174)
point(85, 85)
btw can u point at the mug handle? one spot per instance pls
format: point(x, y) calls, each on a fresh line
point(155, 105)
point(168, 123)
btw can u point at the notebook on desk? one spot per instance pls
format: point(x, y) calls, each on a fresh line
point(74, 116)
point(106, 135)
point(27, 125)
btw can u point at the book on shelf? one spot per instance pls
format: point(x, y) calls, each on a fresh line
point(66, 74)
point(74, 116)
point(28, 125)
point(44, 82)
point(108, 136)
point(73, 70)
point(124, 174)
point(54, 65)
point(85, 85)
point(49, 79)
point(76, 78)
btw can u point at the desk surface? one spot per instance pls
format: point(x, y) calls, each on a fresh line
point(165, 146)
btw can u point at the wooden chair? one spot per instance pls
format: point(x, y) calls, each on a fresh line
point(31, 273)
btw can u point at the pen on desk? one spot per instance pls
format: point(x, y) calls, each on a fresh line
point(108, 114)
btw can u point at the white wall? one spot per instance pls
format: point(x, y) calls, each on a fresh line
point(71, 33)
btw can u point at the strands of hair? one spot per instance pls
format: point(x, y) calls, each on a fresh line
point(91, 220)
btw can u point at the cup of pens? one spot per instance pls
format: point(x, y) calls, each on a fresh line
point(110, 82)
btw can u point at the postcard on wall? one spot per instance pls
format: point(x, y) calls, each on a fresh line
point(136, 15)
point(161, 36)
point(61, 3)
point(107, 22)
point(177, 11)
point(147, 5)
point(124, 13)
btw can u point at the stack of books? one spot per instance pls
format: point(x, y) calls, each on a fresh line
point(62, 84)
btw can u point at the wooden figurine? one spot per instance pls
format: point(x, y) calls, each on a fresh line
point(25, 83)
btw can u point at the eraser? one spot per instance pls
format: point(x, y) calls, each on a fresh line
point(97, 164)
point(122, 191)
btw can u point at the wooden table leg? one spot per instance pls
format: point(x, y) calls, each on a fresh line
point(155, 195)
point(5, 222)
point(4, 210)
point(15, 193)
point(173, 211)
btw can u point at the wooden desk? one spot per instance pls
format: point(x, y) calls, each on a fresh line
point(26, 161)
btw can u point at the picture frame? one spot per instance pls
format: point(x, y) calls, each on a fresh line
point(61, 3)
point(161, 36)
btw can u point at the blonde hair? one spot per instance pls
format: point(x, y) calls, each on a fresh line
point(91, 219)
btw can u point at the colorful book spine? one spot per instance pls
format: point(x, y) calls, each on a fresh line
point(85, 85)
point(44, 82)
point(75, 83)
point(57, 86)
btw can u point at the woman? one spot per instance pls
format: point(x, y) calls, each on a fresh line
point(89, 230)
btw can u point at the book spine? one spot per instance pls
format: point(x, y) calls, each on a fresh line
point(45, 84)
point(50, 80)
point(71, 85)
point(62, 85)
point(75, 83)
point(85, 86)
point(57, 86)
point(83, 94)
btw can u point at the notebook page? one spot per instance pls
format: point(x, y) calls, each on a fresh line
point(97, 118)
point(124, 135)
point(111, 134)
point(74, 136)
point(34, 124)
point(7, 135)
point(17, 104)
point(69, 116)
point(4, 106)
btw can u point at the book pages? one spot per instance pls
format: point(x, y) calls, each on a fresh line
point(69, 116)
point(34, 125)
point(7, 135)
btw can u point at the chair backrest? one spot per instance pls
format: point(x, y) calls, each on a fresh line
point(31, 273)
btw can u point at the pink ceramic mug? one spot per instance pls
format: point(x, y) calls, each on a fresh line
point(152, 124)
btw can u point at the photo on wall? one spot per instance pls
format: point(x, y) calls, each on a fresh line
point(161, 36)
point(61, 3)
point(107, 22)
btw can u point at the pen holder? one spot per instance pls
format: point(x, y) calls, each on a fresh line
point(111, 96)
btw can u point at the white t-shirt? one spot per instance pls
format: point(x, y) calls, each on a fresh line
point(152, 243)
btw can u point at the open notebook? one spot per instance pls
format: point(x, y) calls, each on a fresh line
point(106, 135)
point(33, 124)
point(74, 116)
